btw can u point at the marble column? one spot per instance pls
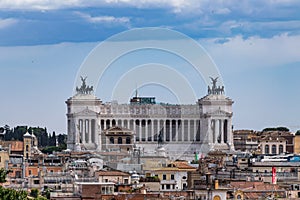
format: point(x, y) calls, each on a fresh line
point(83, 131)
point(221, 121)
point(104, 124)
point(146, 130)
point(140, 130)
point(152, 130)
point(97, 132)
point(164, 130)
point(182, 130)
point(215, 130)
point(195, 130)
point(158, 128)
point(189, 130)
point(176, 131)
point(208, 136)
point(229, 133)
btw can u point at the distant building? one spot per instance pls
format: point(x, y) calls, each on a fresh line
point(284, 136)
point(245, 140)
point(116, 177)
point(117, 138)
point(173, 177)
point(181, 129)
point(271, 144)
point(4, 158)
point(264, 142)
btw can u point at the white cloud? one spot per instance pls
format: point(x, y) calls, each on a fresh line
point(238, 53)
point(184, 7)
point(4, 23)
point(58, 4)
point(104, 19)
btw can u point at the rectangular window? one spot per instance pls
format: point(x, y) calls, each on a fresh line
point(172, 177)
point(29, 172)
point(18, 174)
point(168, 186)
point(164, 177)
point(162, 187)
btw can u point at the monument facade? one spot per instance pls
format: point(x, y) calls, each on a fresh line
point(180, 129)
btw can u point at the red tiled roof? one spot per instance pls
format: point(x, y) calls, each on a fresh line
point(183, 165)
point(246, 186)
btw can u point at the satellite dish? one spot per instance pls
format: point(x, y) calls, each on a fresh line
point(1, 130)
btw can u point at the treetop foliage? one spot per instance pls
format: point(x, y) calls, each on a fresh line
point(276, 129)
point(44, 138)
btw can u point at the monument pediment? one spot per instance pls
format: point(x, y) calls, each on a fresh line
point(86, 111)
point(218, 112)
point(118, 129)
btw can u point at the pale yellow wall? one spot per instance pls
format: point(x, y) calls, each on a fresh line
point(27, 141)
point(297, 144)
point(167, 173)
point(3, 157)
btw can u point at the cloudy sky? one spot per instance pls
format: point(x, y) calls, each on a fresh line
point(255, 45)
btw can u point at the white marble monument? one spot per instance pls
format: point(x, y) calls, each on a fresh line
point(180, 129)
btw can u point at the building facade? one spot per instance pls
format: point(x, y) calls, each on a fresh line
point(180, 129)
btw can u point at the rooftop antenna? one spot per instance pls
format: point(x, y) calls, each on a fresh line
point(136, 91)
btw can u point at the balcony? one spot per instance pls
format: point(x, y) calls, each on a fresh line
point(171, 182)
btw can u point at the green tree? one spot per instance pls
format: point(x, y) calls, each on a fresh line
point(34, 192)
point(61, 139)
point(276, 129)
point(11, 194)
point(41, 198)
point(46, 194)
point(44, 139)
point(3, 174)
point(282, 129)
point(50, 149)
point(52, 139)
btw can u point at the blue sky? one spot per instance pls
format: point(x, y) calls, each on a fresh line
point(255, 45)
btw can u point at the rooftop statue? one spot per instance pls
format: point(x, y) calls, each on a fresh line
point(215, 89)
point(84, 89)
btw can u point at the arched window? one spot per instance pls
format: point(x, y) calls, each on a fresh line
point(280, 149)
point(273, 149)
point(107, 123)
point(119, 140)
point(112, 140)
point(267, 149)
point(128, 140)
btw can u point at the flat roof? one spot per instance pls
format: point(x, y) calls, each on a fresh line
point(94, 183)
